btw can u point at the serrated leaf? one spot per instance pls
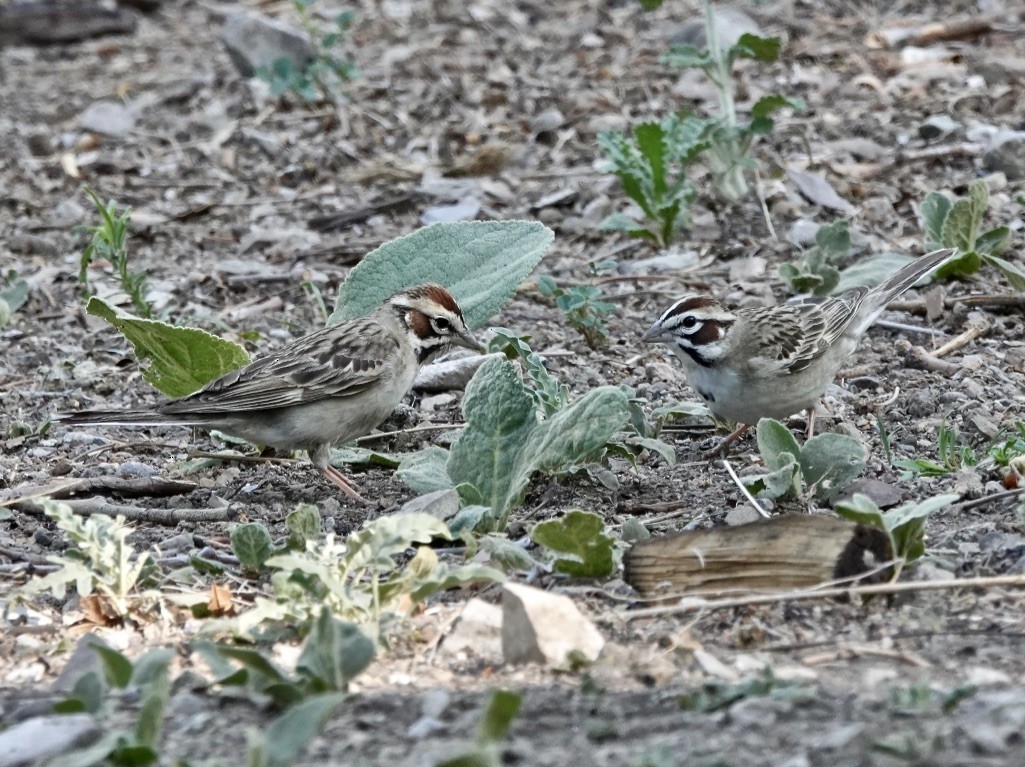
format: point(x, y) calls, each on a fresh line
point(579, 540)
point(775, 442)
point(958, 231)
point(650, 140)
point(504, 444)
point(287, 736)
point(480, 262)
point(177, 361)
point(830, 462)
point(933, 212)
point(251, 543)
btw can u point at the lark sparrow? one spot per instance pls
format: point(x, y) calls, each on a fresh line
point(773, 362)
point(332, 385)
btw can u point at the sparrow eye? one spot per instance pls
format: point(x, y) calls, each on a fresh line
point(442, 324)
point(689, 321)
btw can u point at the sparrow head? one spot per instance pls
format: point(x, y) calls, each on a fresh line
point(695, 326)
point(433, 319)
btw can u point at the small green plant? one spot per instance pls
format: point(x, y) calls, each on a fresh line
point(546, 390)
point(502, 709)
point(13, 294)
point(816, 271)
point(583, 307)
point(958, 224)
point(651, 165)
point(506, 441)
point(1005, 449)
point(904, 526)
point(952, 454)
point(717, 695)
point(101, 560)
point(729, 140)
point(335, 653)
point(359, 579)
point(579, 543)
point(147, 680)
point(108, 242)
point(823, 466)
point(321, 78)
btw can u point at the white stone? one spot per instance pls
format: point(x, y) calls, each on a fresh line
point(540, 627)
point(478, 630)
point(37, 739)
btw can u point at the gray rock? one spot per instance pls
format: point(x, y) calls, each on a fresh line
point(742, 515)
point(135, 469)
point(803, 231)
point(549, 120)
point(464, 210)
point(82, 439)
point(539, 627)
point(883, 494)
point(255, 41)
point(1006, 153)
point(730, 24)
point(44, 737)
point(450, 374)
point(83, 660)
point(110, 118)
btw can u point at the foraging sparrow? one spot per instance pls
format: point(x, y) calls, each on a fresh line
point(773, 362)
point(333, 385)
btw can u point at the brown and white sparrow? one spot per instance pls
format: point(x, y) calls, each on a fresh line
point(773, 362)
point(332, 385)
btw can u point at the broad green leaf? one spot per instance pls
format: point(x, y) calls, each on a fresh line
point(862, 510)
point(303, 525)
point(152, 675)
point(775, 442)
point(361, 456)
point(287, 736)
point(505, 553)
point(665, 450)
point(895, 518)
point(480, 262)
point(933, 211)
point(871, 271)
point(959, 230)
point(444, 577)
point(633, 530)
point(781, 482)
point(252, 545)
point(87, 694)
point(426, 471)
point(93, 754)
point(503, 443)
point(12, 298)
point(651, 5)
point(834, 240)
point(335, 652)
point(472, 519)
point(766, 105)
point(678, 410)
point(579, 541)
point(1014, 275)
point(133, 755)
point(753, 47)
point(117, 668)
point(650, 140)
point(994, 241)
point(830, 462)
point(177, 361)
point(503, 708)
point(962, 266)
point(978, 195)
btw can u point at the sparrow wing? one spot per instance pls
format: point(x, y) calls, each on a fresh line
point(336, 361)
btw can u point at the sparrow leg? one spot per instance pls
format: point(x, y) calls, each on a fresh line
point(811, 423)
point(320, 457)
point(720, 449)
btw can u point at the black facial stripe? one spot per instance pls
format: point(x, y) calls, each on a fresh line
point(693, 353)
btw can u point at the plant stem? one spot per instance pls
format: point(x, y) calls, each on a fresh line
point(720, 74)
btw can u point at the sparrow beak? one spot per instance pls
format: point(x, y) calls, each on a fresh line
point(654, 333)
point(465, 339)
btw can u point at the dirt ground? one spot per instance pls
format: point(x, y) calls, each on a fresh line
point(226, 188)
